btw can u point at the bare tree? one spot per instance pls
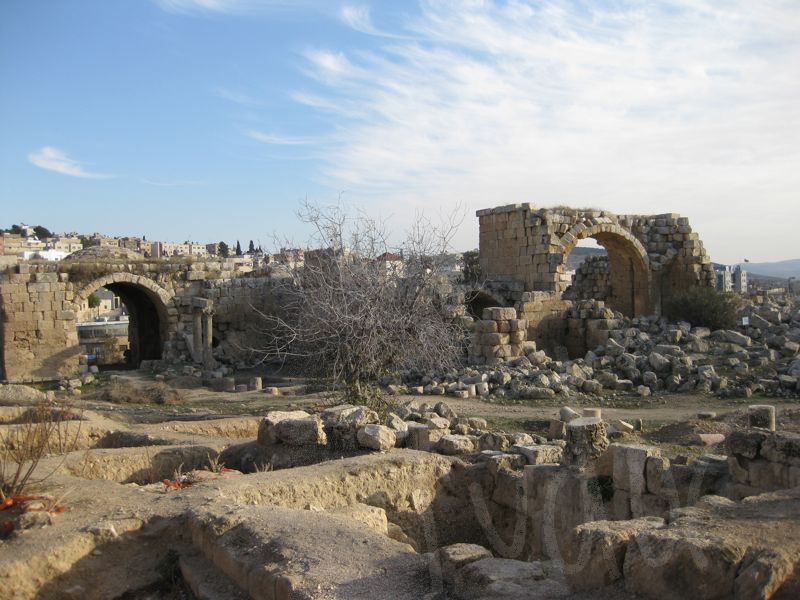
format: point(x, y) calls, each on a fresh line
point(355, 310)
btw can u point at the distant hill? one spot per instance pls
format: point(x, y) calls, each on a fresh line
point(782, 268)
point(578, 255)
point(775, 273)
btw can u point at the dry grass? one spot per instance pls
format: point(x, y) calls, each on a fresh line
point(41, 431)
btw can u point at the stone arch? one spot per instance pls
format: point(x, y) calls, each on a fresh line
point(148, 306)
point(629, 265)
point(477, 300)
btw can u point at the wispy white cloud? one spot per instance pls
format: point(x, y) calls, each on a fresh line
point(236, 97)
point(53, 159)
point(358, 17)
point(682, 105)
point(330, 66)
point(279, 140)
point(232, 7)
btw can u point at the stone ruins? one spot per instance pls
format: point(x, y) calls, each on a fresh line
point(178, 308)
point(524, 249)
point(411, 497)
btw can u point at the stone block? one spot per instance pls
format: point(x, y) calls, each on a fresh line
point(449, 559)
point(629, 466)
point(761, 416)
point(301, 432)
point(497, 313)
point(376, 437)
point(655, 466)
point(782, 447)
point(422, 438)
point(586, 440)
point(453, 445)
point(557, 430)
point(266, 429)
point(595, 556)
point(621, 505)
point(746, 444)
point(539, 454)
point(509, 489)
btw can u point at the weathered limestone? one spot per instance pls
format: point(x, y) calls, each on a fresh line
point(376, 437)
point(177, 307)
point(267, 434)
point(499, 336)
point(301, 432)
point(525, 248)
point(761, 416)
point(764, 461)
point(586, 440)
point(595, 555)
point(456, 444)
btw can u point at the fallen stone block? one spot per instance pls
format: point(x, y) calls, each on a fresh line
point(266, 429)
point(483, 577)
point(376, 437)
point(449, 559)
point(301, 432)
point(452, 445)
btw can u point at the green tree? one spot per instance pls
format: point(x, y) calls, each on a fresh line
point(251, 248)
point(472, 267)
point(238, 248)
point(703, 307)
point(42, 232)
point(223, 250)
point(93, 300)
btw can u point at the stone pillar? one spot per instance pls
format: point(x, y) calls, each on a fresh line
point(761, 416)
point(197, 335)
point(208, 359)
point(586, 440)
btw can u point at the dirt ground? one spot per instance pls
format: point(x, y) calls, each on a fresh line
point(115, 490)
point(667, 419)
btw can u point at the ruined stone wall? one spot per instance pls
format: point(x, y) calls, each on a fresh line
point(527, 246)
point(39, 337)
point(591, 280)
point(550, 499)
point(545, 314)
point(39, 303)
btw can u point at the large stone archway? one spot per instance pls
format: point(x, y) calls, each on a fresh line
point(629, 272)
point(149, 317)
point(526, 249)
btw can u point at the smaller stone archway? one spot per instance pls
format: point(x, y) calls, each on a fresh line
point(629, 272)
point(147, 304)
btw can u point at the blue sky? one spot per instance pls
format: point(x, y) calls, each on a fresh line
point(213, 119)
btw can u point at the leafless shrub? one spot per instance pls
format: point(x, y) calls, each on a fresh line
point(355, 311)
point(162, 393)
point(120, 391)
point(41, 432)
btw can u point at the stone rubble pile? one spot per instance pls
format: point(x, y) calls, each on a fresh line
point(640, 356)
point(437, 428)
